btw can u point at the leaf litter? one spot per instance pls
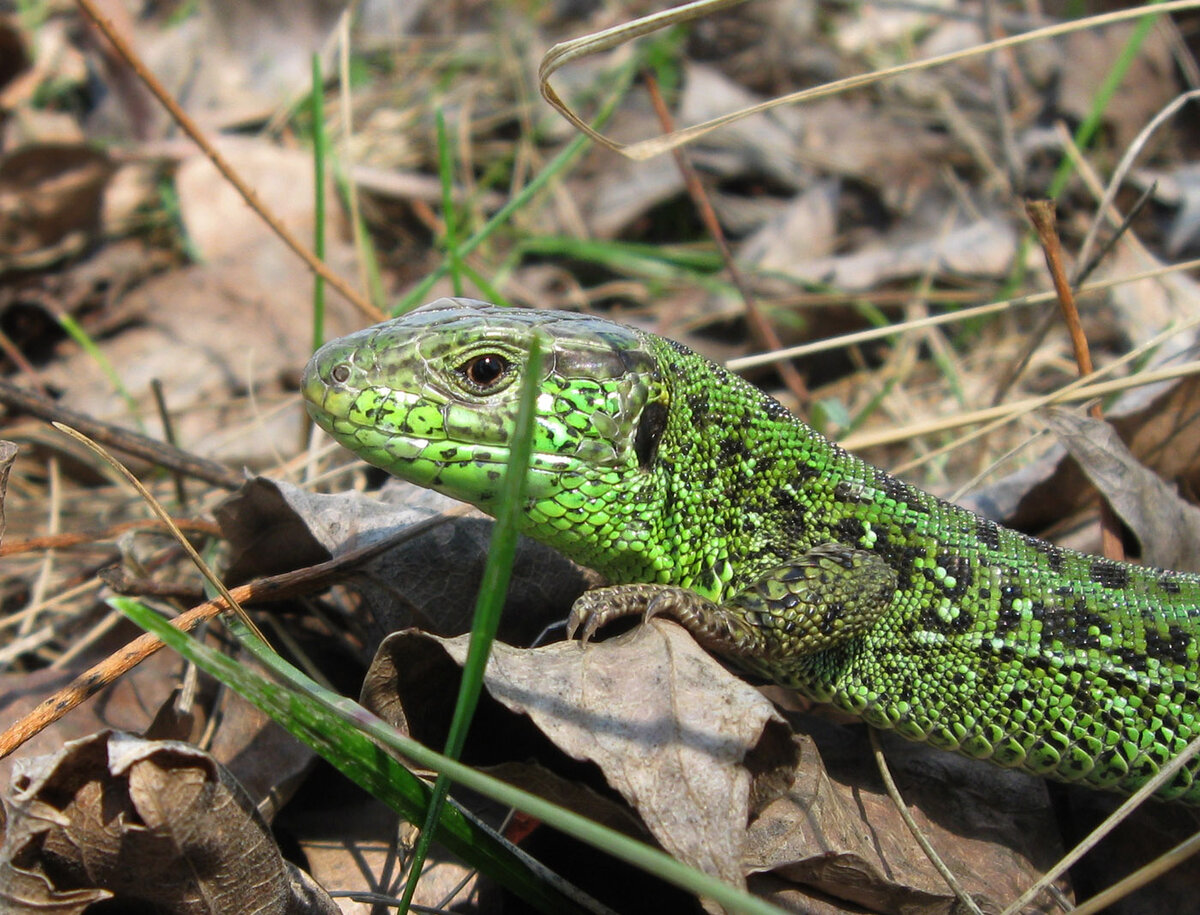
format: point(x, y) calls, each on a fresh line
point(892, 201)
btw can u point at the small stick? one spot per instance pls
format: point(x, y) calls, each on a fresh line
point(120, 438)
point(1041, 214)
point(112, 532)
point(760, 327)
point(271, 588)
point(192, 129)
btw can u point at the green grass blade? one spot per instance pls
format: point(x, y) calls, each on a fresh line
point(492, 590)
point(556, 165)
point(449, 215)
point(1108, 87)
point(485, 287)
point(80, 336)
point(337, 729)
point(635, 258)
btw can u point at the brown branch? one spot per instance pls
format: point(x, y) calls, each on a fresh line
point(63, 541)
point(760, 327)
point(121, 439)
point(271, 588)
point(192, 129)
point(1041, 215)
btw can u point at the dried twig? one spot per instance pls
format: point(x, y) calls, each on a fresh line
point(1041, 215)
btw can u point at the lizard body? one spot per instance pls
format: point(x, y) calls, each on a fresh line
point(703, 498)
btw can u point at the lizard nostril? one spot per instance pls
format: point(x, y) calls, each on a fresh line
point(340, 373)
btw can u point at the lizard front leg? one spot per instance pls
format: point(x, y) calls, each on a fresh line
point(820, 600)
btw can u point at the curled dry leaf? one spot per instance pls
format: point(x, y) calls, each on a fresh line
point(678, 736)
point(223, 328)
point(268, 762)
point(1161, 430)
point(838, 835)
point(1151, 82)
point(1167, 527)
point(966, 246)
point(274, 526)
point(705, 762)
point(149, 823)
point(758, 148)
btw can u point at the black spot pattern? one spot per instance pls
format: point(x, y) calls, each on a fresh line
point(850, 493)
point(1109, 574)
point(987, 532)
point(849, 531)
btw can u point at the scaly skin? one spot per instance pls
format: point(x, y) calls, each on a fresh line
point(703, 498)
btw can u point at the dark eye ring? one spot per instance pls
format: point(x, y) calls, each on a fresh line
point(484, 370)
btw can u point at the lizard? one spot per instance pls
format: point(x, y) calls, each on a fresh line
point(702, 498)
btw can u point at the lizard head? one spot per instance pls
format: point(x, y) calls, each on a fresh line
point(432, 397)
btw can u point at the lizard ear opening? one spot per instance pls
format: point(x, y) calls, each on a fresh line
point(649, 434)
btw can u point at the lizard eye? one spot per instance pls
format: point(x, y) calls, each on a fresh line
point(340, 373)
point(484, 370)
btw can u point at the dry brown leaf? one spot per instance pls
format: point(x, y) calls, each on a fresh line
point(1185, 229)
point(267, 761)
point(962, 247)
point(1178, 187)
point(807, 226)
point(225, 327)
point(8, 454)
point(350, 843)
point(1086, 60)
point(1145, 308)
point(682, 741)
point(430, 581)
point(837, 833)
point(760, 148)
point(672, 730)
point(1167, 527)
point(1163, 434)
point(155, 823)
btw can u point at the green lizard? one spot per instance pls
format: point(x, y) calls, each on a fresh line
point(702, 498)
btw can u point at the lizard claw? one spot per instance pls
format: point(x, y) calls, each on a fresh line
point(597, 608)
point(582, 623)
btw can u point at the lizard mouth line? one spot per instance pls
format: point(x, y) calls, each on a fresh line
point(438, 454)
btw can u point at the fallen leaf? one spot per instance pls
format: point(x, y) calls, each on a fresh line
point(1161, 428)
point(145, 823)
point(838, 834)
point(1085, 61)
point(267, 761)
point(707, 766)
point(963, 247)
point(224, 327)
point(50, 200)
point(672, 730)
point(431, 581)
point(1167, 527)
point(807, 224)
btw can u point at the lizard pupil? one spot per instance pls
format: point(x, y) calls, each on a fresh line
point(485, 370)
